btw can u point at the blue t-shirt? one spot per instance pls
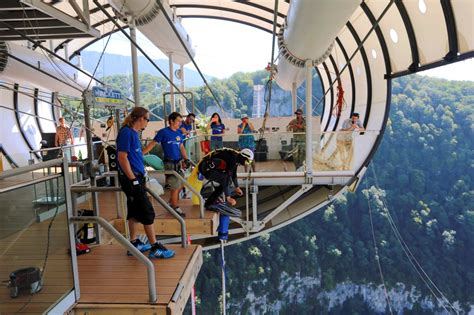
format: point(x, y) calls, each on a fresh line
point(217, 130)
point(170, 142)
point(187, 127)
point(128, 141)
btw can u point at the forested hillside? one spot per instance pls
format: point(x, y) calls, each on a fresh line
point(424, 171)
point(235, 94)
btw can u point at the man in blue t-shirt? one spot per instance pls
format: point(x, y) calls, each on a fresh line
point(187, 125)
point(132, 182)
point(171, 140)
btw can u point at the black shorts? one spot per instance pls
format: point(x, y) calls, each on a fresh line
point(138, 205)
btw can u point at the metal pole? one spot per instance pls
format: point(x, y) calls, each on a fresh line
point(184, 108)
point(90, 157)
point(223, 279)
point(70, 202)
point(293, 97)
point(173, 105)
point(309, 117)
point(136, 84)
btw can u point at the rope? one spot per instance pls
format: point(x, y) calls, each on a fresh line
point(223, 279)
point(377, 257)
point(412, 259)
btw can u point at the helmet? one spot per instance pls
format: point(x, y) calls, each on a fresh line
point(248, 154)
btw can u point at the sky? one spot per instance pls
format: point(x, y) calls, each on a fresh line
point(248, 49)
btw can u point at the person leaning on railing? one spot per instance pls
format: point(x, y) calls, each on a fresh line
point(175, 156)
point(345, 147)
point(218, 129)
point(132, 182)
point(298, 125)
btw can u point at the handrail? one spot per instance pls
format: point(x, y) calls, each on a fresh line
point(30, 168)
point(29, 183)
point(82, 189)
point(62, 147)
point(184, 242)
point(125, 243)
point(185, 183)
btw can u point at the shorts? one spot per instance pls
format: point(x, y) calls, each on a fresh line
point(173, 181)
point(138, 205)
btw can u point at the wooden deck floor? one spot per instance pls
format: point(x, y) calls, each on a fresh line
point(109, 279)
point(27, 248)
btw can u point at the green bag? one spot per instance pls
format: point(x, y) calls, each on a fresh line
point(153, 161)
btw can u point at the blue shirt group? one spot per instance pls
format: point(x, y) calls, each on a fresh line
point(170, 141)
point(129, 141)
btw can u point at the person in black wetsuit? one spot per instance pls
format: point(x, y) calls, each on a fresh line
point(220, 166)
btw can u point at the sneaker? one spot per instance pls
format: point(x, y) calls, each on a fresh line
point(159, 251)
point(178, 210)
point(142, 247)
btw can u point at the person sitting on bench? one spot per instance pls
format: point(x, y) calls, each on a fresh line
point(220, 166)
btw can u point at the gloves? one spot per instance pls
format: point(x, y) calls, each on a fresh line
point(185, 164)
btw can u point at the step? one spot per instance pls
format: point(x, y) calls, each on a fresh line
point(112, 282)
point(165, 223)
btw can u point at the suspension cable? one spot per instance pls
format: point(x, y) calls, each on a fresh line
point(165, 14)
point(377, 257)
point(412, 259)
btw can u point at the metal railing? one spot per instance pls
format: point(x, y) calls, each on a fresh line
point(185, 183)
point(125, 243)
point(80, 189)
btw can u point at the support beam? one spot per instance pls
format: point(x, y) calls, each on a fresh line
point(294, 97)
point(81, 14)
point(59, 15)
point(136, 83)
point(309, 117)
point(285, 204)
point(171, 69)
point(184, 108)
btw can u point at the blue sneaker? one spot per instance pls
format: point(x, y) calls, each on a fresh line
point(142, 247)
point(159, 251)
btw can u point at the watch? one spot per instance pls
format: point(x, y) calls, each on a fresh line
point(135, 181)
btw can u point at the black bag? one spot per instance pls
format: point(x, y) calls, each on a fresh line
point(86, 234)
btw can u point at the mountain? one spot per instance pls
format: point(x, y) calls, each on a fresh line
point(113, 64)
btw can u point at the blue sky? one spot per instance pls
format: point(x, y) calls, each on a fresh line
point(247, 49)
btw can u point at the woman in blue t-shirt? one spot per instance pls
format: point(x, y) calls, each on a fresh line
point(218, 129)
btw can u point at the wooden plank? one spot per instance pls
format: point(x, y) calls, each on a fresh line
point(188, 279)
point(121, 309)
point(109, 278)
